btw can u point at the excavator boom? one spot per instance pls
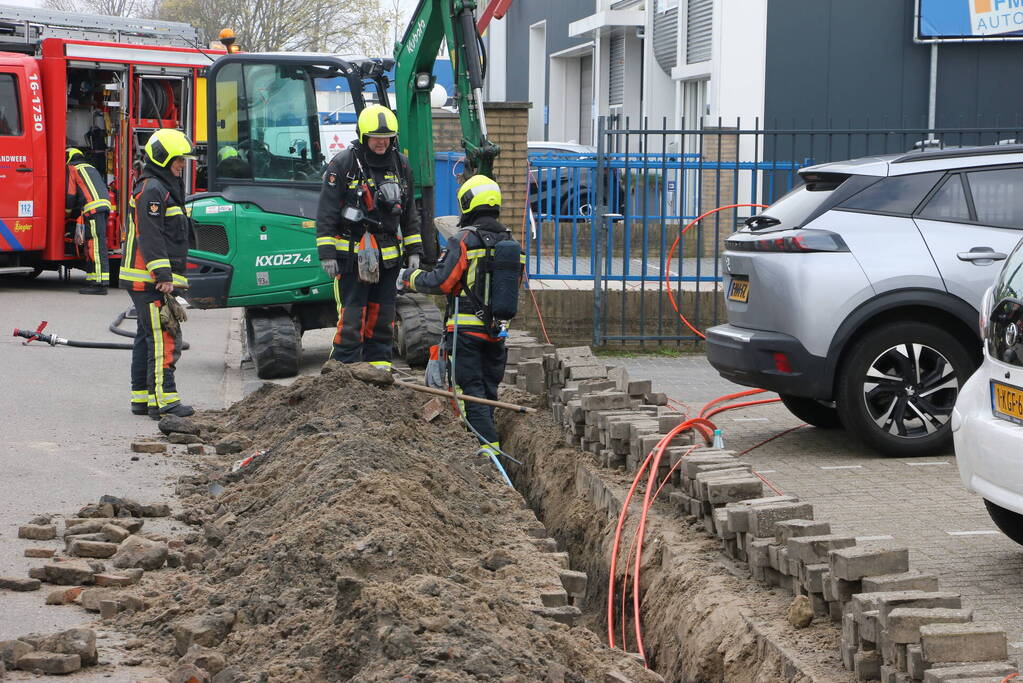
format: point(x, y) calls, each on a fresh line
point(434, 22)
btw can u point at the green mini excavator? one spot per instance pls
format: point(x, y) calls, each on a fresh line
point(255, 230)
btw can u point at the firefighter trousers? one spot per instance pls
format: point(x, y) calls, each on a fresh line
point(478, 368)
point(154, 355)
point(96, 251)
point(365, 318)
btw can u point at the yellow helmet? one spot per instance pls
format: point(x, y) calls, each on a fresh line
point(477, 192)
point(166, 144)
point(73, 152)
point(227, 152)
point(377, 121)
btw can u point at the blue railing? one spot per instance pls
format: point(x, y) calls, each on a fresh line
point(650, 197)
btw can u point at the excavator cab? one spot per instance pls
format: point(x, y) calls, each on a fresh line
point(274, 121)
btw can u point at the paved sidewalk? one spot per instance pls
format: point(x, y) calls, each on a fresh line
point(920, 502)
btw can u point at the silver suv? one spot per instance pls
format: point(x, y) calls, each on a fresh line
point(856, 295)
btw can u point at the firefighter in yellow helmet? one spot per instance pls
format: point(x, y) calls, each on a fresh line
point(87, 204)
point(155, 254)
point(479, 272)
point(366, 224)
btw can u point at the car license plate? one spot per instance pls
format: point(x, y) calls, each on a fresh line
point(739, 289)
point(1007, 402)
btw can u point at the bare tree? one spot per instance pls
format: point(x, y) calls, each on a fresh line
point(110, 8)
point(342, 26)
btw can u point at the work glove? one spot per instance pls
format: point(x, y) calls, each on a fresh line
point(330, 267)
point(403, 279)
point(413, 261)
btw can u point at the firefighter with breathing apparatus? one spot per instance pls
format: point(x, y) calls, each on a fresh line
point(366, 221)
point(480, 272)
point(87, 203)
point(155, 257)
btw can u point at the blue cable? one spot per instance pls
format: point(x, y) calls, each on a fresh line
point(461, 411)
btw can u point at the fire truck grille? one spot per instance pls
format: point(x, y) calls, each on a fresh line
point(211, 238)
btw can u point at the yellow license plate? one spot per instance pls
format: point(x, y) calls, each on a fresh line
point(1007, 402)
point(739, 290)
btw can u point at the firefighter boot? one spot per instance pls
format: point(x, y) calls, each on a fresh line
point(93, 289)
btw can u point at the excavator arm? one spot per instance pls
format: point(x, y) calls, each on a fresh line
point(432, 22)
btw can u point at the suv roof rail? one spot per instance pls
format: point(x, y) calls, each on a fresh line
point(982, 150)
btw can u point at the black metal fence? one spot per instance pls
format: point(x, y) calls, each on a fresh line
point(617, 219)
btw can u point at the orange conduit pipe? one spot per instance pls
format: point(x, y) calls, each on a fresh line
point(525, 275)
point(651, 464)
point(730, 397)
point(671, 252)
point(632, 546)
point(706, 429)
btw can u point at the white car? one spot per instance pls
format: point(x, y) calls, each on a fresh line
point(987, 422)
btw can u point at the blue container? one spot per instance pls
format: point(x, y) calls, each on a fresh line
point(447, 167)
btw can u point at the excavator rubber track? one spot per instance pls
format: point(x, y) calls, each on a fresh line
point(418, 325)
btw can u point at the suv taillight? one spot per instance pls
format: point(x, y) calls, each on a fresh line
point(806, 241)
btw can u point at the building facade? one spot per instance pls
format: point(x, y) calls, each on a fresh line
point(779, 64)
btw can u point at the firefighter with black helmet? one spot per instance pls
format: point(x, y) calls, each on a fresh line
point(366, 222)
point(87, 204)
point(155, 254)
point(480, 272)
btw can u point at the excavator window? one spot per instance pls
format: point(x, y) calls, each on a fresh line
point(267, 124)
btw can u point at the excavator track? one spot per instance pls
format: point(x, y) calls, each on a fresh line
point(418, 326)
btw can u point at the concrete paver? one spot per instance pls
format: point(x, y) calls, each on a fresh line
point(920, 503)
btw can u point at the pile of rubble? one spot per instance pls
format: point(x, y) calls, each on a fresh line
point(361, 540)
point(897, 626)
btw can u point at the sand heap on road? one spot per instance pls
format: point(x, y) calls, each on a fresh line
point(365, 544)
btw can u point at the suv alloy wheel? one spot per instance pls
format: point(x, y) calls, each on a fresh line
point(897, 388)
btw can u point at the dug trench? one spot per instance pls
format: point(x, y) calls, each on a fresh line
point(702, 617)
point(363, 541)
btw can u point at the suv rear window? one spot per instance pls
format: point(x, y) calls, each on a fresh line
point(795, 208)
point(896, 194)
point(10, 119)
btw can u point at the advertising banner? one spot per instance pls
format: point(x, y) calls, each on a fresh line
point(969, 20)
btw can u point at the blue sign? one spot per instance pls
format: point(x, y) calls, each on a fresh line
point(958, 20)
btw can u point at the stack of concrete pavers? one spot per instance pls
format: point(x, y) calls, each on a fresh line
point(897, 626)
point(617, 420)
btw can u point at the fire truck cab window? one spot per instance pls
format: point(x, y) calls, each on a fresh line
point(10, 113)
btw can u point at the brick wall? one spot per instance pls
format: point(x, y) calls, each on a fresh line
point(507, 123)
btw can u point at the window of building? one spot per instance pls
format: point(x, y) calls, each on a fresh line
point(699, 27)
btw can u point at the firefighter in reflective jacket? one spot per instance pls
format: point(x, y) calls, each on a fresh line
point(155, 253)
point(464, 273)
point(367, 212)
point(87, 202)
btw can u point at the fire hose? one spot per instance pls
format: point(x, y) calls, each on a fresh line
point(54, 340)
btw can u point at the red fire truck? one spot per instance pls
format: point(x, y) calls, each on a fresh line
point(101, 84)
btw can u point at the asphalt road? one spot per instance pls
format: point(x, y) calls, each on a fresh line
point(66, 426)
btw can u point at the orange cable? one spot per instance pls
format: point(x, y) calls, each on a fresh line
point(671, 252)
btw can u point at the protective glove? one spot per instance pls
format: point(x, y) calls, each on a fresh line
point(330, 267)
point(404, 278)
point(413, 261)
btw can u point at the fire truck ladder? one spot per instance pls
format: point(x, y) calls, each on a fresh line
point(21, 29)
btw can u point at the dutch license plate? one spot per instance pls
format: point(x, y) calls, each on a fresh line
point(739, 289)
point(1007, 402)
